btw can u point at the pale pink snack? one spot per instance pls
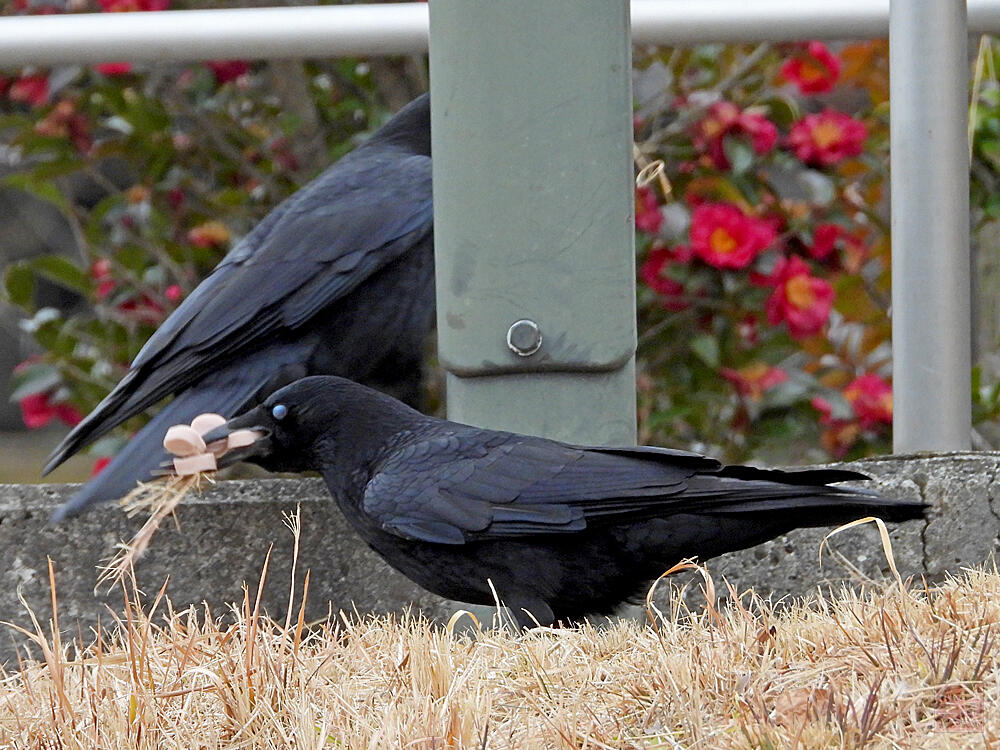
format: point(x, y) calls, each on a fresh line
point(242, 438)
point(218, 447)
point(187, 465)
point(182, 440)
point(205, 422)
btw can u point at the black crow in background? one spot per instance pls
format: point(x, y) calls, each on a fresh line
point(338, 279)
point(562, 531)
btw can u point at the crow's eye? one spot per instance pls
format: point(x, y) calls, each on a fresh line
point(279, 411)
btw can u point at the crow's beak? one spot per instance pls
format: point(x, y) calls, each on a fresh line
point(253, 439)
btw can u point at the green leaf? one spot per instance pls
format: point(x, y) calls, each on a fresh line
point(32, 183)
point(62, 271)
point(990, 151)
point(739, 153)
point(783, 111)
point(36, 378)
point(706, 348)
point(19, 285)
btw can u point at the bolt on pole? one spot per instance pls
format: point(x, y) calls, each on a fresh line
point(931, 281)
point(534, 230)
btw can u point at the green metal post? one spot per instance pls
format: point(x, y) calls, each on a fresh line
point(533, 216)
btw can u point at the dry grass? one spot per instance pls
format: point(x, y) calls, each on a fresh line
point(884, 668)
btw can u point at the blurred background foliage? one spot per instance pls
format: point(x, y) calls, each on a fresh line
point(761, 214)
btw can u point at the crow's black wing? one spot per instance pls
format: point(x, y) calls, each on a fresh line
point(364, 212)
point(474, 484)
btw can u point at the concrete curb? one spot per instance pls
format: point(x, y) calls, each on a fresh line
point(225, 535)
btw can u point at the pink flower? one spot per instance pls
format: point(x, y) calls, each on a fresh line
point(65, 121)
point(827, 138)
point(871, 398)
point(209, 234)
point(724, 237)
point(815, 70)
point(227, 70)
point(143, 309)
point(173, 292)
point(824, 408)
point(799, 299)
point(825, 237)
point(726, 119)
point(100, 271)
point(648, 218)
point(754, 379)
point(121, 6)
point(653, 272)
point(111, 69)
point(32, 90)
point(37, 410)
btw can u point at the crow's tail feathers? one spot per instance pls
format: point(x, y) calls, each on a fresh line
point(807, 496)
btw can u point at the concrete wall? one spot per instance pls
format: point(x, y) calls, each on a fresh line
point(226, 532)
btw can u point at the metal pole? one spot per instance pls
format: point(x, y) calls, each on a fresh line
point(401, 28)
point(931, 324)
point(533, 221)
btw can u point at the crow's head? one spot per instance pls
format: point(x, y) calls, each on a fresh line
point(313, 423)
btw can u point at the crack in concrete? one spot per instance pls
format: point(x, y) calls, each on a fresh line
point(920, 480)
point(989, 502)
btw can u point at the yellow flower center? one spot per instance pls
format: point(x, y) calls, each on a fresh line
point(799, 292)
point(826, 134)
point(810, 71)
point(722, 241)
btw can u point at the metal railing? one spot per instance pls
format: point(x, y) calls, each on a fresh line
point(931, 282)
point(401, 28)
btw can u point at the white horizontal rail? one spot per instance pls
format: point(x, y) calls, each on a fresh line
point(401, 28)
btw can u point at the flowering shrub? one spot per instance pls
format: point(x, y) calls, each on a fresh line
point(761, 219)
point(184, 159)
point(764, 270)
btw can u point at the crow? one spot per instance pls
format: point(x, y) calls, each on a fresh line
point(561, 531)
point(338, 279)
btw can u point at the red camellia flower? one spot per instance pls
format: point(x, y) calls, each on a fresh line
point(824, 240)
point(827, 138)
point(227, 70)
point(648, 218)
point(122, 6)
point(114, 68)
point(840, 434)
point(815, 70)
point(653, 272)
point(32, 90)
point(100, 271)
point(725, 118)
point(209, 234)
point(754, 379)
point(64, 121)
point(871, 399)
point(99, 465)
point(724, 237)
point(799, 299)
point(824, 408)
point(37, 410)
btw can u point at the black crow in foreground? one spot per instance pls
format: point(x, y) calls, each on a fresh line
point(562, 531)
point(338, 279)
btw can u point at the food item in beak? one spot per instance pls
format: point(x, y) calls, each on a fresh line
point(186, 465)
point(205, 422)
point(241, 438)
point(182, 440)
